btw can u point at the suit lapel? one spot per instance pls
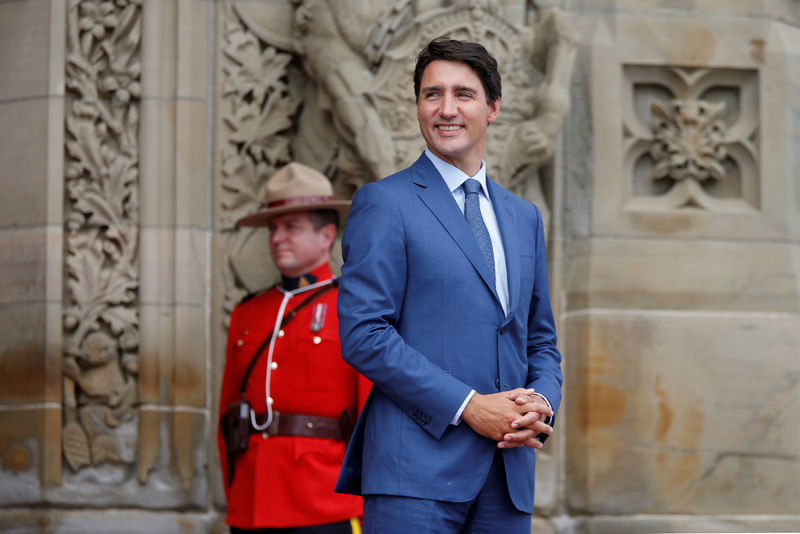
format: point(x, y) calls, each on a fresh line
point(508, 232)
point(437, 197)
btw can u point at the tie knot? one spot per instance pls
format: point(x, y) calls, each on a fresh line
point(471, 185)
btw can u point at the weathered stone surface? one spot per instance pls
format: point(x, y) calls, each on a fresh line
point(158, 195)
point(674, 274)
point(192, 36)
point(191, 164)
point(548, 460)
point(542, 526)
point(22, 353)
point(683, 413)
point(25, 41)
point(21, 439)
point(190, 259)
point(102, 522)
point(23, 264)
point(781, 10)
point(30, 452)
point(189, 385)
point(21, 160)
point(681, 524)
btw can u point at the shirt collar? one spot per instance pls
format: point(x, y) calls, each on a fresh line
point(455, 177)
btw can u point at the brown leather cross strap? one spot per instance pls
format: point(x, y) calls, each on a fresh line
point(309, 426)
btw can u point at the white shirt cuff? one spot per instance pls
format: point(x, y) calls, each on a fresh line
point(457, 418)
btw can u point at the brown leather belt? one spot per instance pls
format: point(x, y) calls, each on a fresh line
point(310, 426)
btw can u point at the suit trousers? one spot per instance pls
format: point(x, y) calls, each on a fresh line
point(489, 512)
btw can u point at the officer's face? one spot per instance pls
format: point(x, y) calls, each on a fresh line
point(295, 246)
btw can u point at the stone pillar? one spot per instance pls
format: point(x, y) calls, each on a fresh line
point(31, 237)
point(105, 221)
point(682, 274)
point(174, 431)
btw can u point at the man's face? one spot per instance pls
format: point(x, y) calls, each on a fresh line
point(295, 246)
point(453, 114)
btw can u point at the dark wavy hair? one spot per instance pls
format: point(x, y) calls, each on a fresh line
point(472, 54)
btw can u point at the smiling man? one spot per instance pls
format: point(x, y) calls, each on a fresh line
point(444, 305)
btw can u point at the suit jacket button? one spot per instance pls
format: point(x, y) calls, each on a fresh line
point(502, 330)
point(497, 383)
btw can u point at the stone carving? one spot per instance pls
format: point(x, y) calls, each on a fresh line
point(697, 148)
point(329, 84)
point(360, 57)
point(339, 130)
point(100, 319)
point(258, 112)
point(106, 393)
point(687, 140)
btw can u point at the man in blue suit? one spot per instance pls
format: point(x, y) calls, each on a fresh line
point(444, 305)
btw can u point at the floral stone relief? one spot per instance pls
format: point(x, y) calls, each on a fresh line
point(691, 139)
point(101, 250)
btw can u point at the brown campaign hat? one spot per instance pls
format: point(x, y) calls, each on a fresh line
point(296, 187)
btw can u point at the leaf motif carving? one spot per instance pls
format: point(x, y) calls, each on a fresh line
point(242, 188)
point(103, 70)
point(688, 140)
point(85, 268)
point(259, 112)
point(120, 318)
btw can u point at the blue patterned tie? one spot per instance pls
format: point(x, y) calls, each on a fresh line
point(472, 212)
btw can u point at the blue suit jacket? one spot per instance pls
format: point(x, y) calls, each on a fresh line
point(418, 317)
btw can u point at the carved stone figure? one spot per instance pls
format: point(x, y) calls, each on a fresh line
point(329, 38)
point(549, 41)
point(105, 395)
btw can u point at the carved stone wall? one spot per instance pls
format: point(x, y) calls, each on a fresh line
point(104, 403)
point(683, 289)
point(133, 133)
point(103, 67)
point(696, 144)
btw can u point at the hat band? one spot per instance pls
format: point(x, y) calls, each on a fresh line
point(294, 201)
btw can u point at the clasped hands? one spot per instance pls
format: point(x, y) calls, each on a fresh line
point(511, 418)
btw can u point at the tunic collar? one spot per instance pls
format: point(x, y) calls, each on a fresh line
point(321, 273)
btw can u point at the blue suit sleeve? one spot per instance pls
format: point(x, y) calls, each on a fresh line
point(370, 304)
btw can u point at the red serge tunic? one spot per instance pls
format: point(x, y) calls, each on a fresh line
point(286, 481)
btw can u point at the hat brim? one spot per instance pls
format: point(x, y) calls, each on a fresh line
point(262, 217)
